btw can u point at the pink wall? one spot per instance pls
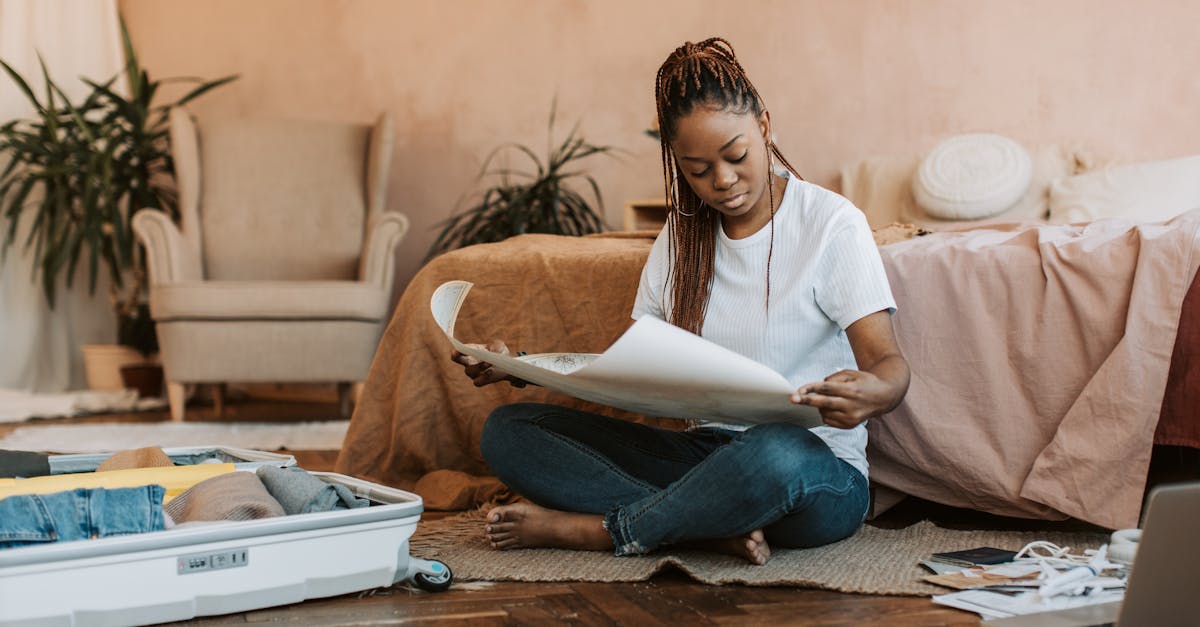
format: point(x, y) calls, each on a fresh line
point(843, 79)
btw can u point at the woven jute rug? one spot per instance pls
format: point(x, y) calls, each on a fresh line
point(873, 561)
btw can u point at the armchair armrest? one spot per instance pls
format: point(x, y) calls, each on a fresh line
point(170, 258)
point(378, 260)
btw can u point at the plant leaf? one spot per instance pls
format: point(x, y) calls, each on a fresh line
point(543, 202)
point(96, 162)
point(23, 86)
point(131, 61)
point(202, 89)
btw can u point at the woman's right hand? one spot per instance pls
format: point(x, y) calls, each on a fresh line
point(481, 372)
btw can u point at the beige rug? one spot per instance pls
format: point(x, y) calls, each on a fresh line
point(105, 437)
point(874, 561)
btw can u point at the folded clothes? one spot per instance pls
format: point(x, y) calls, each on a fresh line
point(301, 493)
point(146, 457)
point(79, 514)
point(234, 496)
point(23, 464)
point(175, 479)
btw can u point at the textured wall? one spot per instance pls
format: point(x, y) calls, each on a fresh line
point(843, 79)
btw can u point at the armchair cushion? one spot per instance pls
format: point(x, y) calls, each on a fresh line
point(268, 300)
point(303, 183)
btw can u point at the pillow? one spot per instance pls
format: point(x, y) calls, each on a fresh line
point(1145, 192)
point(971, 177)
point(882, 188)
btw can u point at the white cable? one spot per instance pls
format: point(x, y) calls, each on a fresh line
point(1050, 554)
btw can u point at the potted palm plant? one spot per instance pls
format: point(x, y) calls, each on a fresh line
point(537, 201)
point(77, 171)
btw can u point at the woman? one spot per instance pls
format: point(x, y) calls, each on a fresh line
point(758, 261)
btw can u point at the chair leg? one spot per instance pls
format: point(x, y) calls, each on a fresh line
point(218, 399)
point(345, 399)
point(176, 397)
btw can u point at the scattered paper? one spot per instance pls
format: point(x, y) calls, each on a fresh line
point(981, 576)
point(942, 568)
point(1015, 570)
point(990, 604)
point(1015, 588)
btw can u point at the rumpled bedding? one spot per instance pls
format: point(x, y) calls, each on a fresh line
point(1179, 420)
point(1040, 357)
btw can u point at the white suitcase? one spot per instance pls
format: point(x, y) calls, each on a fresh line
point(206, 570)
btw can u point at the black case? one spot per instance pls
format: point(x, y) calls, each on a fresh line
point(979, 556)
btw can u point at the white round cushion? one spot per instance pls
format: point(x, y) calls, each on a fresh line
point(971, 177)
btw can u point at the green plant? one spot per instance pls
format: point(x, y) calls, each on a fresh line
point(541, 202)
point(94, 163)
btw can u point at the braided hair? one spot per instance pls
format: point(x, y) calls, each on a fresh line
point(705, 74)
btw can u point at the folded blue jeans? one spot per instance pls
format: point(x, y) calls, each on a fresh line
point(79, 514)
point(659, 487)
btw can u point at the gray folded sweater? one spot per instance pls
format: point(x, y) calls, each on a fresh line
point(301, 493)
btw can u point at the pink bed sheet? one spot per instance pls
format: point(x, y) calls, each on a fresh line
point(1040, 355)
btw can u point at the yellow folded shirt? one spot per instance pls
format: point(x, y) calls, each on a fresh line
point(175, 479)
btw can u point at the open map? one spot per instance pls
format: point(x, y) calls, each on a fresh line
point(654, 368)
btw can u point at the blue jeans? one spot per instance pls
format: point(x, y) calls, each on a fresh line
point(659, 487)
point(79, 514)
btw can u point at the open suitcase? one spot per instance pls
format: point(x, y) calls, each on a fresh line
point(207, 570)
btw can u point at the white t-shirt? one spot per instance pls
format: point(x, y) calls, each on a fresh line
point(826, 274)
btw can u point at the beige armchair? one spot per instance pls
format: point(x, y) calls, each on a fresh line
point(281, 269)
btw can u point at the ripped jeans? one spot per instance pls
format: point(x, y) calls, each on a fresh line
point(659, 487)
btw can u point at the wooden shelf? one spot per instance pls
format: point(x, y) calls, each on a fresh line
point(645, 215)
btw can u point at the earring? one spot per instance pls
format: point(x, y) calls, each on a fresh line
point(674, 200)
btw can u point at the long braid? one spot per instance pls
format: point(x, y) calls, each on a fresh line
point(694, 75)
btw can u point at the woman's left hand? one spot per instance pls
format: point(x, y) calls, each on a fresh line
point(848, 397)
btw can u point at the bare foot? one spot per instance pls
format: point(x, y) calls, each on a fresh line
point(752, 547)
point(526, 525)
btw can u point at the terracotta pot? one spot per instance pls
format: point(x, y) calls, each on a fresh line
point(147, 379)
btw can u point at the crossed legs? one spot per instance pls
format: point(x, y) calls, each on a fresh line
point(601, 483)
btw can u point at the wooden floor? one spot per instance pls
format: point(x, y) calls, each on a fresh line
point(667, 599)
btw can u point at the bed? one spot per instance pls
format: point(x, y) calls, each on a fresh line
point(1047, 360)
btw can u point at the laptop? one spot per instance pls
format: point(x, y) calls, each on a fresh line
point(1164, 584)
